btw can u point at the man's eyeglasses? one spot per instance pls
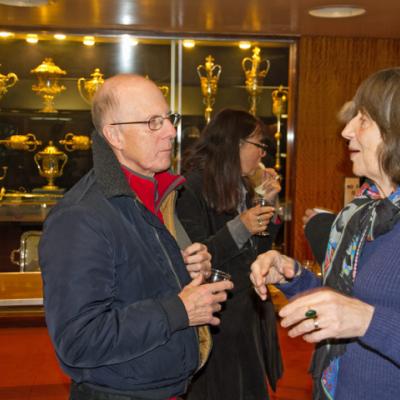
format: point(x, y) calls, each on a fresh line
point(261, 146)
point(156, 121)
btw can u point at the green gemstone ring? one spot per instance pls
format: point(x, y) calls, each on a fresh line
point(310, 314)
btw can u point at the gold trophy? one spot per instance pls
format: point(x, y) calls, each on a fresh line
point(279, 109)
point(7, 81)
point(88, 88)
point(51, 163)
point(209, 75)
point(73, 142)
point(26, 142)
point(255, 71)
point(48, 87)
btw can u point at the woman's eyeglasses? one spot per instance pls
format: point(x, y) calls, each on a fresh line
point(261, 146)
point(155, 122)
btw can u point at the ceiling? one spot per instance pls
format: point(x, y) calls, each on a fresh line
point(203, 17)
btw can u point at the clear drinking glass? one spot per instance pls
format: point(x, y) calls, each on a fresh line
point(217, 276)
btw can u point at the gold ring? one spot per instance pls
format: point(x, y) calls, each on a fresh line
point(259, 220)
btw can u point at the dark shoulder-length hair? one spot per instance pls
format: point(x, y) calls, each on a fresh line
point(379, 97)
point(217, 155)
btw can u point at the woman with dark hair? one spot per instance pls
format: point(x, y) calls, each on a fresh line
point(215, 209)
point(355, 317)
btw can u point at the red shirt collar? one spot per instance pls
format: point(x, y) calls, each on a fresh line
point(152, 190)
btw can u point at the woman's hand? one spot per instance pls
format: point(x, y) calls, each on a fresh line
point(256, 219)
point(337, 316)
point(270, 268)
point(271, 185)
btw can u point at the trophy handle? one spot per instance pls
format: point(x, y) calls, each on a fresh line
point(200, 69)
point(244, 62)
point(64, 159)
point(265, 71)
point(218, 70)
point(81, 86)
point(37, 158)
point(33, 142)
point(67, 142)
point(13, 256)
point(12, 79)
point(4, 173)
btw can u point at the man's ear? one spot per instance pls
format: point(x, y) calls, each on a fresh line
point(113, 136)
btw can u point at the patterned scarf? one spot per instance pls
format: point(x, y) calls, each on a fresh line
point(363, 219)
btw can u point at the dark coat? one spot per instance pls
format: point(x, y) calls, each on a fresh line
point(112, 273)
point(246, 347)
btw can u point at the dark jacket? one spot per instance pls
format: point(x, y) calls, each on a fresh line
point(246, 347)
point(111, 274)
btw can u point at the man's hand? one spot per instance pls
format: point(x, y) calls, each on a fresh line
point(202, 301)
point(197, 260)
point(270, 268)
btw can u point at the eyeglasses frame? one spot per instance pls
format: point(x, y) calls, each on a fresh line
point(261, 146)
point(175, 122)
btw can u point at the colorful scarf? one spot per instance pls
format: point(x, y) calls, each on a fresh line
point(363, 219)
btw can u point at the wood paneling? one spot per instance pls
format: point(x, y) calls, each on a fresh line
point(330, 69)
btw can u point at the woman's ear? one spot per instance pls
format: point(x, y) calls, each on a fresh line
point(113, 136)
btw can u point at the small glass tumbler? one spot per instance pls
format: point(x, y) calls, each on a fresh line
point(217, 276)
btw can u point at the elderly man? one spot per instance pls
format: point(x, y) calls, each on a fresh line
point(120, 307)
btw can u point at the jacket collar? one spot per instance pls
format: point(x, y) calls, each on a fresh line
point(107, 169)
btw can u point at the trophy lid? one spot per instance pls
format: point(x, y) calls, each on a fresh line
point(48, 67)
point(51, 150)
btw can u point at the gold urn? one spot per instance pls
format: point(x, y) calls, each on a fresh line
point(7, 81)
point(51, 163)
point(48, 87)
point(88, 87)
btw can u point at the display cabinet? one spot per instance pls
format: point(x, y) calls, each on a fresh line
point(46, 88)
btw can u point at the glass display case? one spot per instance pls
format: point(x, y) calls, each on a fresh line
point(45, 93)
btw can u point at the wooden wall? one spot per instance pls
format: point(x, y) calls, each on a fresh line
point(330, 69)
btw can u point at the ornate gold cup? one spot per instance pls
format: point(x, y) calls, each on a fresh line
point(279, 109)
point(51, 163)
point(88, 88)
point(48, 87)
point(209, 74)
point(255, 71)
point(26, 142)
point(73, 142)
point(7, 81)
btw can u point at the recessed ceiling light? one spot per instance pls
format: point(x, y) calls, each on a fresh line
point(59, 36)
point(89, 40)
point(32, 38)
point(189, 44)
point(337, 11)
point(244, 45)
point(6, 34)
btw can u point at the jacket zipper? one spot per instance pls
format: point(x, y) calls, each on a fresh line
point(168, 258)
point(180, 287)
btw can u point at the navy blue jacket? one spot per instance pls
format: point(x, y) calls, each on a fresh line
point(112, 273)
